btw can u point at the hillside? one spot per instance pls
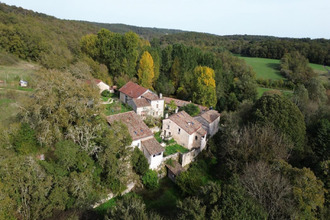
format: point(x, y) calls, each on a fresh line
point(39, 37)
point(145, 32)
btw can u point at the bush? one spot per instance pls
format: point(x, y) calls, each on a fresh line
point(106, 93)
point(139, 162)
point(191, 109)
point(150, 179)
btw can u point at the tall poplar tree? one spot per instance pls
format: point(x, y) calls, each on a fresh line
point(204, 86)
point(146, 70)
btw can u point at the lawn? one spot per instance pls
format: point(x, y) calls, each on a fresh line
point(172, 149)
point(116, 107)
point(261, 91)
point(265, 68)
point(162, 200)
point(319, 68)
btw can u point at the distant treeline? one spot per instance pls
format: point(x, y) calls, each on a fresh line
point(316, 51)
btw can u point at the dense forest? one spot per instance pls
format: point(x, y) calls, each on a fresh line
point(269, 160)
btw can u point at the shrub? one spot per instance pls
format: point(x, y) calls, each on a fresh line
point(191, 109)
point(150, 179)
point(139, 162)
point(106, 93)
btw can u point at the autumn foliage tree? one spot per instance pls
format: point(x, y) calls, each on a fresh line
point(204, 92)
point(146, 70)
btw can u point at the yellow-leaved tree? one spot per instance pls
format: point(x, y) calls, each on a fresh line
point(204, 86)
point(146, 70)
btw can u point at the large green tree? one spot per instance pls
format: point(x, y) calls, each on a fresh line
point(283, 115)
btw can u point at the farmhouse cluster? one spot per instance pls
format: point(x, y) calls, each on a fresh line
point(190, 132)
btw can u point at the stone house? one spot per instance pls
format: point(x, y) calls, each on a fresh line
point(142, 137)
point(143, 101)
point(210, 121)
point(185, 130)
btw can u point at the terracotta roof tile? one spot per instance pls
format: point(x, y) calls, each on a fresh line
point(136, 127)
point(151, 96)
point(152, 146)
point(132, 90)
point(210, 115)
point(186, 122)
point(142, 102)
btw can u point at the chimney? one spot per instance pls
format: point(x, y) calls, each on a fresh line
point(176, 110)
point(166, 115)
point(160, 95)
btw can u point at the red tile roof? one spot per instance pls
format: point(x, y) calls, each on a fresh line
point(210, 115)
point(186, 122)
point(151, 96)
point(142, 102)
point(136, 127)
point(152, 146)
point(132, 90)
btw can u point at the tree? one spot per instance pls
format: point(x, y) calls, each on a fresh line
point(269, 188)
point(191, 208)
point(150, 179)
point(175, 72)
point(283, 115)
point(139, 162)
point(25, 141)
point(316, 91)
point(131, 207)
point(307, 190)
point(295, 67)
point(204, 87)
point(237, 204)
point(191, 109)
point(63, 106)
point(146, 70)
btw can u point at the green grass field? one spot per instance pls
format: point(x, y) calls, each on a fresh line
point(265, 68)
point(261, 91)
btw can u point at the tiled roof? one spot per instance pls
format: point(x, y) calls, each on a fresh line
point(142, 102)
point(186, 122)
point(132, 90)
point(152, 146)
point(136, 127)
point(176, 168)
point(151, 96)
point(180, 103)
point(210, 115)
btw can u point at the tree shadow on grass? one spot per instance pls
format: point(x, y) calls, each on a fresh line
point(275, 66)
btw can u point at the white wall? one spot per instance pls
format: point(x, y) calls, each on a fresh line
point(158, 112)
point(183, 138)
point(153, 160)
point(102, 86)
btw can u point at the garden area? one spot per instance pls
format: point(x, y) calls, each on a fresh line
point(116, 107)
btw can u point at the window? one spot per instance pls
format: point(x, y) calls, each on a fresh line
point(179, 130)
point(157, 106)
point(168, 126)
